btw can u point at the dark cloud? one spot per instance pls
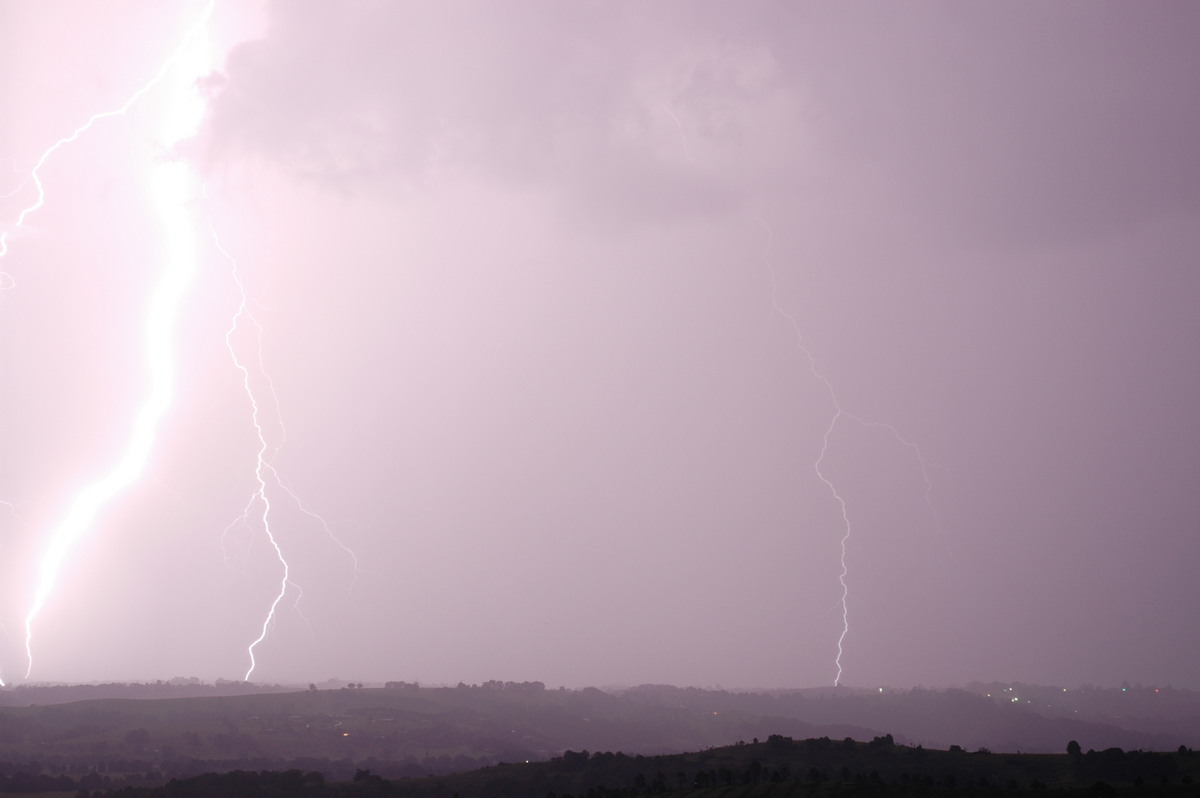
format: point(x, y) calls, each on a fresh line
point(1026, 123)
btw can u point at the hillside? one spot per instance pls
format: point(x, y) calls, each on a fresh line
point(403, 730)
point(777, 767)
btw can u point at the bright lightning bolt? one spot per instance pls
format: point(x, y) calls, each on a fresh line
point(174, 189)
point(259, 497)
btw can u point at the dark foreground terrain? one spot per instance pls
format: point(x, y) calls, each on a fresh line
point(402, 739)
point(776, 768)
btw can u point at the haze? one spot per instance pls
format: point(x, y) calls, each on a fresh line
point(552, 298)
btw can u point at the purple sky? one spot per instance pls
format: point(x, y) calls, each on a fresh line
point(539, 284)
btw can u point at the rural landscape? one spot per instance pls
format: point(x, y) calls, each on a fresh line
point(599, 398)
point(183, 737)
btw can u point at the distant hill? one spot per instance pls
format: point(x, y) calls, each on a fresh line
point(403, 730)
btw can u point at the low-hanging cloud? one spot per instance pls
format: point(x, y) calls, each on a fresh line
point(1024, 125)
point(593, 102)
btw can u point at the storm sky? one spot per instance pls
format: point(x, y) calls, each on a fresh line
point(577, 319)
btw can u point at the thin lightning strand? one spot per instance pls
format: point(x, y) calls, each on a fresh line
point(35, 172)
point(838, 414)
point(174, 189)
point(687, 153)
point(302, 507)
point(263, 466)
point(21, 185)
point(833, 422)
point(296, 607)
point(264, 461)
point(924, 465)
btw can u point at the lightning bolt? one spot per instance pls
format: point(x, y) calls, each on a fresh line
point(35, 173)
point(839, 413)
point(838, 416)
point(259, 496)
point(174, 189)
point(687, 153)
point(264, 471)
point(833, 422)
